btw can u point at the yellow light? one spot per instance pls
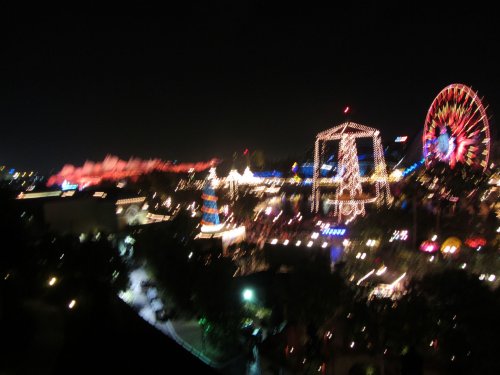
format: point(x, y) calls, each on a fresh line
point(72, 304)
point(52, 281)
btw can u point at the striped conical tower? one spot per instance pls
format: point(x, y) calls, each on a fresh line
point(210, 211)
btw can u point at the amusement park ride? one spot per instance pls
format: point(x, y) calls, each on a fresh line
point(349, 198)
point(457, 129)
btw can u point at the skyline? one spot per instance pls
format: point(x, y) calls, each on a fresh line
point(198, 82)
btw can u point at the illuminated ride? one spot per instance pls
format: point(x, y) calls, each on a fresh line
point(350, 200)
point(456, 129)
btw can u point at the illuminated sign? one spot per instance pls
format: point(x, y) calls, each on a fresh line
point(337, 232)
point(401, 139)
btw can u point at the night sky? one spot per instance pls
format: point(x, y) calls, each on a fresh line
point(201, 81)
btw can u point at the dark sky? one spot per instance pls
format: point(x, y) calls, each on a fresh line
point(197, 81)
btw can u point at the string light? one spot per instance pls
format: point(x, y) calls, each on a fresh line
point(349, 201)
point(232, 180)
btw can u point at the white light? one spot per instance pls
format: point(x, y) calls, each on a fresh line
point(325, 244)
point(491, 278)
point(434, 238)
point(310, 243)
point(365, 277)
point(431, 258)
point(381, 270)
point(358, 255)
point(274, 241)
point(298, 243)
point(72, 304)
point(345, 242)
point(248, 294)
point(52, 281)
point(464, 265)
point(268, 210)
point(482, 276)
point(190, 255)
point(363, 256)
point(398, 279)
point(286, 242)
point(315, 235)
point(352, 344)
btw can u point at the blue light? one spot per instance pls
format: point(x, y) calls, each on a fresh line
point(336, 232)
point(12, 171)
point(66, 185)
point(412, 167)
point(268, 174)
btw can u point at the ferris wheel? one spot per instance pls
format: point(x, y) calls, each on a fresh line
point(456, 129)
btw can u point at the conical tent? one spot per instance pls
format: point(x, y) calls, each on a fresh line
point(210, 211)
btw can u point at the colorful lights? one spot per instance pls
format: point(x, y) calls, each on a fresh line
point(210, 219)
point(349, 200)
point(401, 139)
point(451, 246)
point(429, 246)
point(460, 118)
point(475, 242)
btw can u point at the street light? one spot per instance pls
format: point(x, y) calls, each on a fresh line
point(52, 281)
point(248, 295)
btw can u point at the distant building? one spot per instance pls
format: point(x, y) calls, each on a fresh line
point(75, 212)
point(85, 215)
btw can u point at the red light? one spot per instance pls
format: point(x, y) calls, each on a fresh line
point(245, 152)
point(112, 168)
point(346, 110)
